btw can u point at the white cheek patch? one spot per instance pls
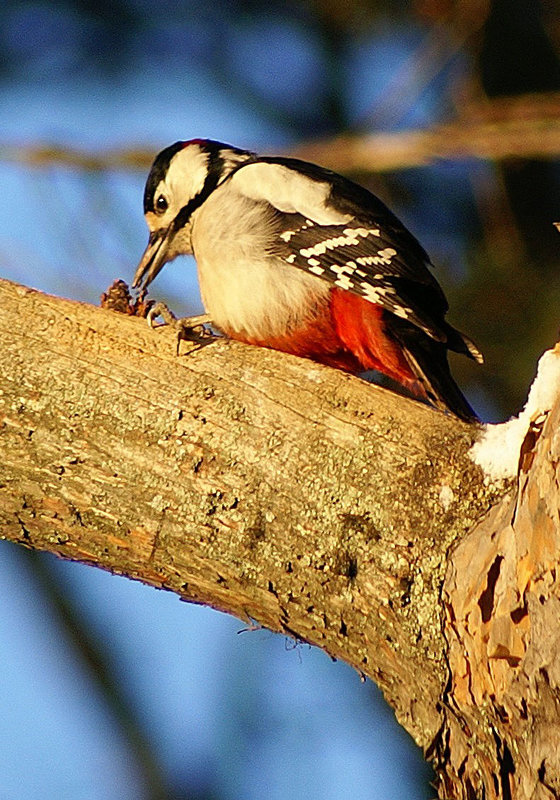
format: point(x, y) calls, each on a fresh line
point(186, 176)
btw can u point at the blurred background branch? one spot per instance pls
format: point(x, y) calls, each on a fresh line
point(526, 126)
point(521, 127)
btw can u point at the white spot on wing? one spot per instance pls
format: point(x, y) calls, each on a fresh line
point(344, 282)
point(362, 232)
point(331, 244)
point(402, 312)
point(383, 258)
point(378, 289)
point(375, 294)
point(342, 269)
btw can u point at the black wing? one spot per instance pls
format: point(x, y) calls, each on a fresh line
point(372, 255)
point(364, 258)
point(331, 227)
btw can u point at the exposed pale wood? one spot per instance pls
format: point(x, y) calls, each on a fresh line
point(503, 626)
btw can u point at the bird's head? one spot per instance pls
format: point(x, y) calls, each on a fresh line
point(181, 178)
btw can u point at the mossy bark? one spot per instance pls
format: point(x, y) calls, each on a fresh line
point(285, 493)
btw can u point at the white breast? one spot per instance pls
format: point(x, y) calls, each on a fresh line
point(245, 288)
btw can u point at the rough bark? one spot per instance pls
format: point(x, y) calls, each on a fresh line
point(308, 501)
point(502, 598)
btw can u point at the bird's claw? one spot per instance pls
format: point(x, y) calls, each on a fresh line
point(160, 310)
point(190, 329)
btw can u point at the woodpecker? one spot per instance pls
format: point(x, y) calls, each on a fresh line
point(297, 258)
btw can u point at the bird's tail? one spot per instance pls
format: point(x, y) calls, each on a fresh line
point(428, 361)
point(460, 343)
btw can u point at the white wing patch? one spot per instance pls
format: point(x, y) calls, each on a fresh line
point(349, 237)
point(289, 191)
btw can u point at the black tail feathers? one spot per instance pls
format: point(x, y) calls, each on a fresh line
point(427, 358)
point(460, 343)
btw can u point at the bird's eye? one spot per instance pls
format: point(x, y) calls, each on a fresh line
point(161, 204)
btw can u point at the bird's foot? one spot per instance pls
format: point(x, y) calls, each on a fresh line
point(189, 329)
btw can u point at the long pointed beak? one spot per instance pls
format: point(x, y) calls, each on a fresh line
point(154, 258)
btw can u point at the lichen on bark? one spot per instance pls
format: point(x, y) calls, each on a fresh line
point(308, 501)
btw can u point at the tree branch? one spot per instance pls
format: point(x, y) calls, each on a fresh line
point(502, 595)
point(282, 492)
point(527, 126)
point(523, 127)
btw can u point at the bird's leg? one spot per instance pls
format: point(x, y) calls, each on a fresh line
point(191, 329)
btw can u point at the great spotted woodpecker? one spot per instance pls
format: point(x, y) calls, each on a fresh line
point(297, 258)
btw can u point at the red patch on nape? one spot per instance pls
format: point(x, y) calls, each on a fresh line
point(360, 326)
point(194, 141)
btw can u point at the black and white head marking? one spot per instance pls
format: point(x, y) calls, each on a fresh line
point(182, 177)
